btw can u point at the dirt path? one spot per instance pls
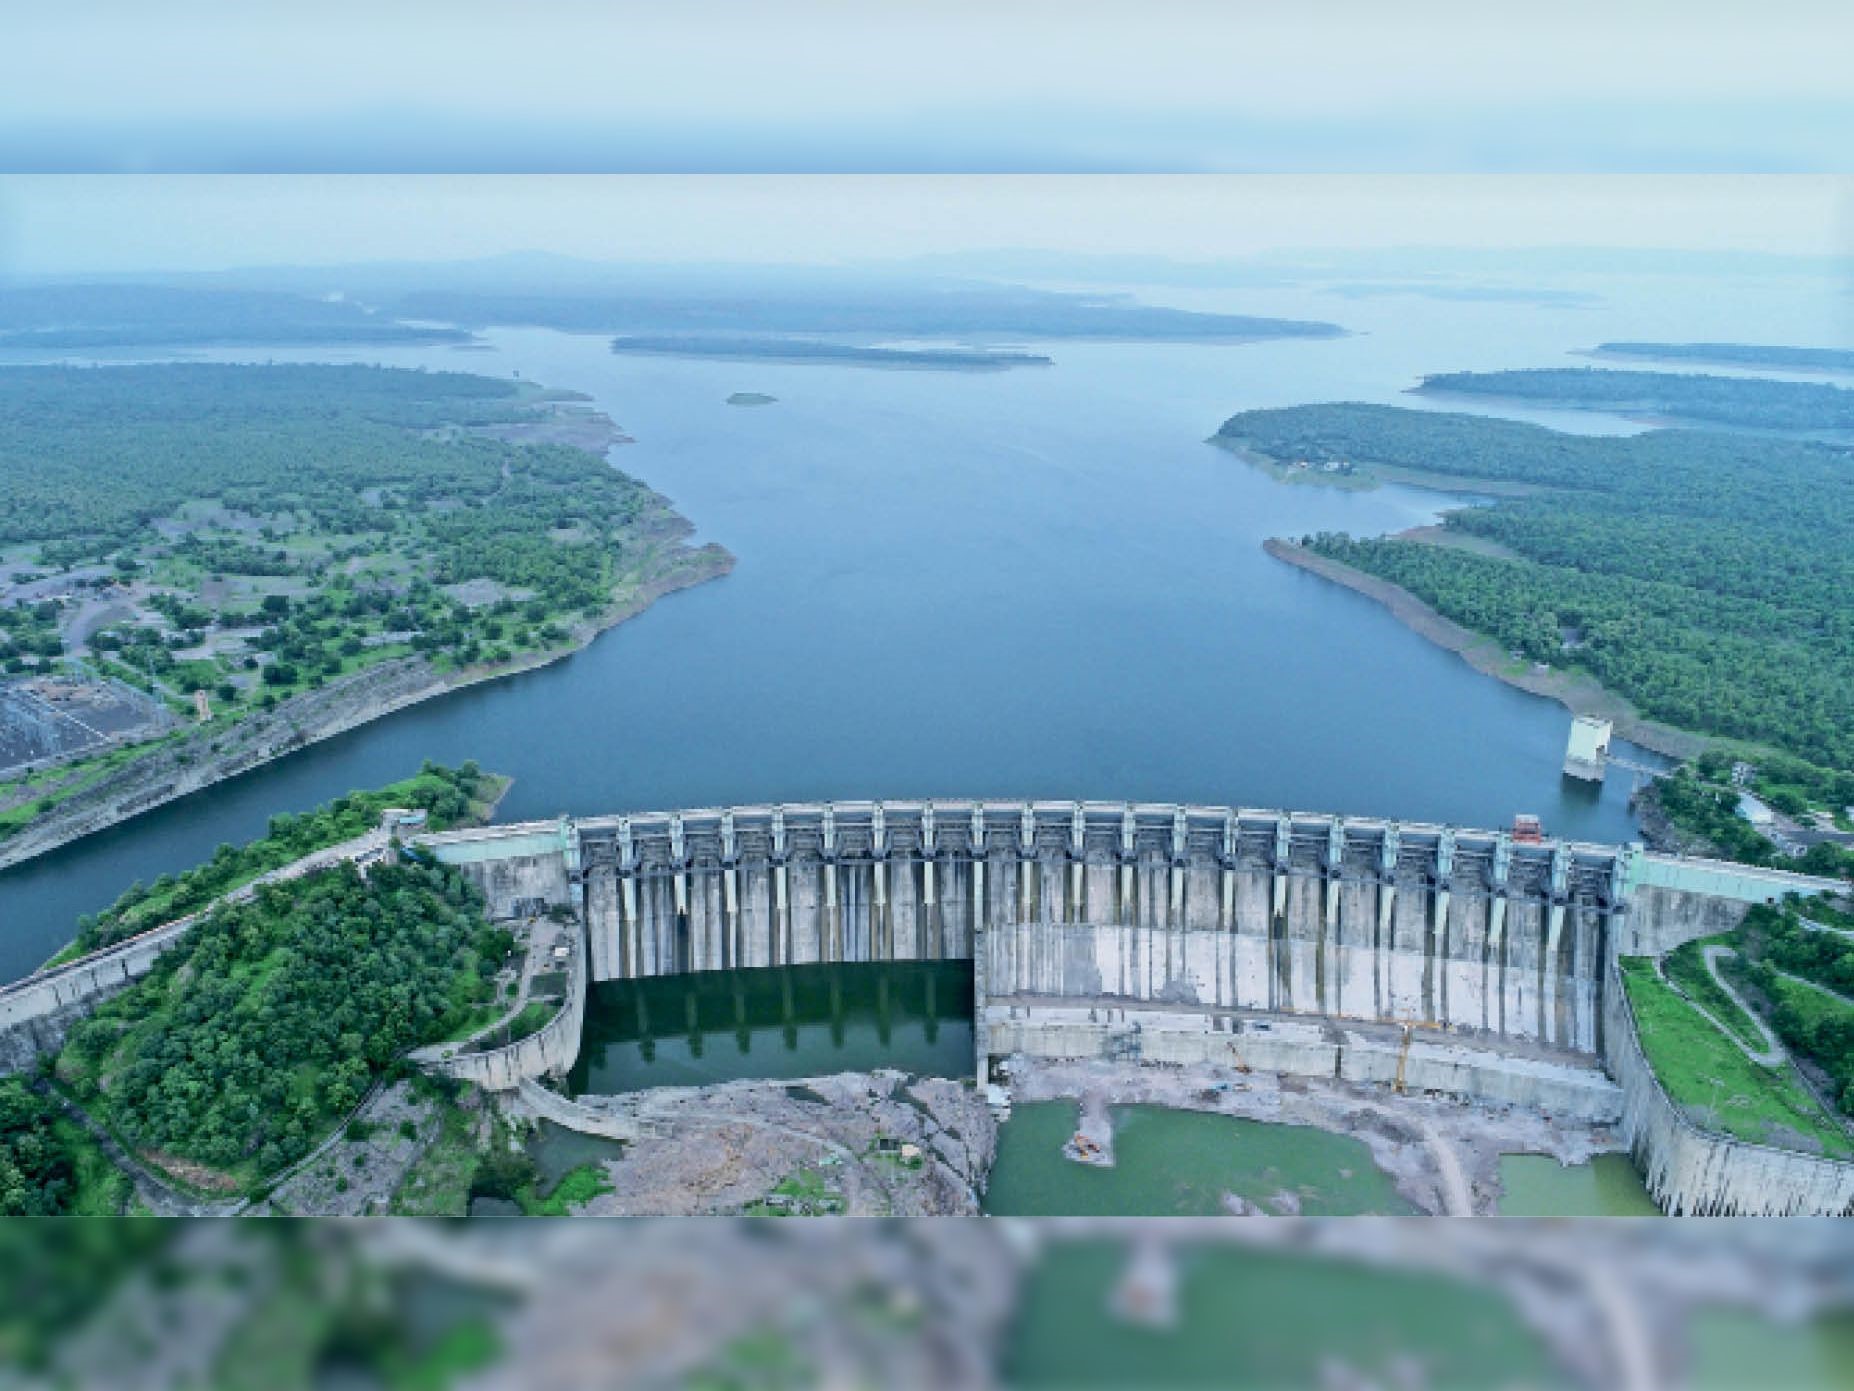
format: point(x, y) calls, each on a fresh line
point(1773, 1054)
point(1457, 1193)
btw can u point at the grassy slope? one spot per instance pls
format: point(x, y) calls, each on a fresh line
point(1703, 1069)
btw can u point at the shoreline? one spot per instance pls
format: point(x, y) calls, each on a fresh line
point(166, 775)
point(423, 684)
point(1581, 695)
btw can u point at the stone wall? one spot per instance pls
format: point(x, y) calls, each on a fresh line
point(37, 1012)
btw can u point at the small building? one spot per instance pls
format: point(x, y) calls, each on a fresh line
point(1586, 753)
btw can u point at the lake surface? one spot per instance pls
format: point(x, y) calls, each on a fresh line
point(1024, 583)
point(786, 1021)
point(1170, 1163)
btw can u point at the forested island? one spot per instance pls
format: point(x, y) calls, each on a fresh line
point(1703, 577)
point(63, 317)
point(245, 558)
point(774, 349)
point(1736, 355)
point(1751, 402)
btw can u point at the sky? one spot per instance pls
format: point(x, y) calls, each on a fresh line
point(68, 225)
point(926, 86)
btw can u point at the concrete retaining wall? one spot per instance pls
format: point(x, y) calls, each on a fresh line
point(37, 1013)
point(1694, 1171)
point(551, 1050)
point(1302, 1047)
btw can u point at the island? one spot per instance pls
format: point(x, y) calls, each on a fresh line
point(746, 348)
point(1736, 355)
point(205, 566)
point(1683, 583)
point(59, 317)
point(1746, 402)
point(751, 398)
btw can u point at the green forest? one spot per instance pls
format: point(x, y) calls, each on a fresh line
point(254, 533)
point(1738, 355)
point(1748, 401)
point(270, 1021)
point(1704, 576)
point(450, 797)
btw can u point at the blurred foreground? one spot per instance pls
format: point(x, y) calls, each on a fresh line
point(1356, 1303)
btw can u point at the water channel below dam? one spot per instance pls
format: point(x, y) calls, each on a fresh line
point(805, 1021)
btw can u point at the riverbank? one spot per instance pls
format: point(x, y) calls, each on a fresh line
point(183, 767)
point(1580, 694)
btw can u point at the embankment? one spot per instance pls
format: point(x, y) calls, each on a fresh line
point(1579, 694)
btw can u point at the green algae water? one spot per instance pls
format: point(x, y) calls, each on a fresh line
point(1273, 1319)
point(1171, 1163)
point(784, 1021)
point(1732, 1348)
point(1536, 1185)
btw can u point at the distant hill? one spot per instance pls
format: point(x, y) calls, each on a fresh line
point(1737, 355)
point(119, 315)
point(815, 350)
point(1750, 402)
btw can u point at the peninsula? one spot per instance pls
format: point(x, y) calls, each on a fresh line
point(203, 567)
point(1743, 402)
point(1675, 581)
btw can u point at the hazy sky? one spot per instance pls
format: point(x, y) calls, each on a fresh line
point(926, 85)
point(116, 223)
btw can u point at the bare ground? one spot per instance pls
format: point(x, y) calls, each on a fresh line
point(727, 1148)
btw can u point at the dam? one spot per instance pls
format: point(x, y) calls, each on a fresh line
point(1180, 907)
point(1421, 957)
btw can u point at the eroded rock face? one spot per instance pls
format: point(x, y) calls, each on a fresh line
point(875, 1143)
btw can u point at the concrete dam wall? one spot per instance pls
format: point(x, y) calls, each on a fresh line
point(1187, 906)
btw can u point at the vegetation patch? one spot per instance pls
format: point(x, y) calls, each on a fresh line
point(1711, 1080)
point(449, 797)
point(267, 1023)
point(1686, 967)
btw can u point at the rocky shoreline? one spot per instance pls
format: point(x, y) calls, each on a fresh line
point(1579, 694)
point(187, 767)
point(194, 763)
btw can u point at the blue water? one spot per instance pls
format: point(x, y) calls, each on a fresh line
point(1029, 583)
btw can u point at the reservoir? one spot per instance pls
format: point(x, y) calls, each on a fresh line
point(791, 1021)
point(1013, 584)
